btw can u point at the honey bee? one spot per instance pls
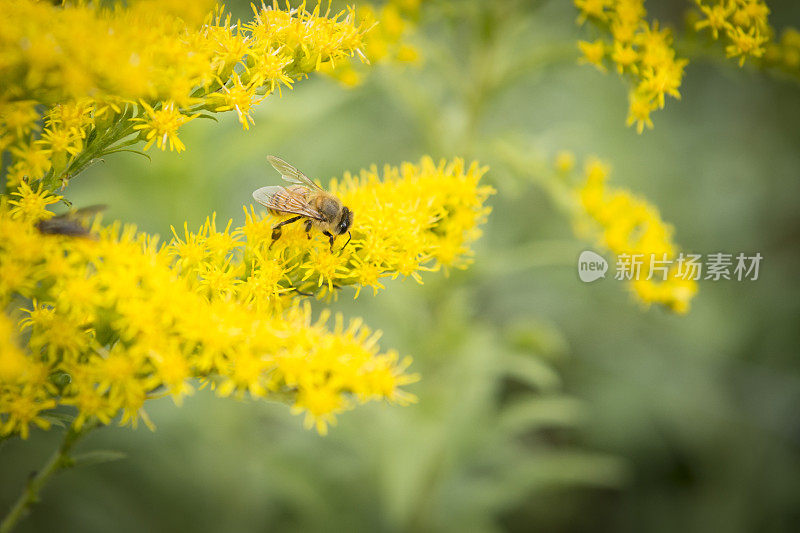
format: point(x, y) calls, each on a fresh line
point(70, 223)
point(306, 200)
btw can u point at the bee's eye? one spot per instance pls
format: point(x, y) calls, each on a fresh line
point(344, 223)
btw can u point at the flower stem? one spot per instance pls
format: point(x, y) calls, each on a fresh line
point(59, 460)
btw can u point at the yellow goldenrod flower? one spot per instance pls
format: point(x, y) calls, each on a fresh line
point(31, 205)
point(744, 23)
point(127, 319)
point(625, 56)
point(593, 53)
point(745, 44)
point(238, 97)
point(623, 223)
point(30, 163)
point(595, 9)
point(393, 233)
point(151, 64)
point(716, 18)
point(19, 118)
point(641, 51)
point(23, 407)
point(390, 28)
point(639, 108)
point(161, 126)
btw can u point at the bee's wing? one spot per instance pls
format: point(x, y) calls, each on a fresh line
point(286, 201)
point(291, 174)
point(89, 210)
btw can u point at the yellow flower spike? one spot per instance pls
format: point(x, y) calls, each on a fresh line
point(149, 56)
point(742, 24)
point(641, 51)
point(623, 223)
point(128, 319)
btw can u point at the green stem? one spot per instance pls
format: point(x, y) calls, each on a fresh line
point(59, 460)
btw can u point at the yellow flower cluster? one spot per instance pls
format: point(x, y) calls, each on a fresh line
point(785, 53)
point(639, 50)
point(742, 23)
point(394, 234)
point(113, 320)
point(623, 223)
point(386, 41)
point(77, 80)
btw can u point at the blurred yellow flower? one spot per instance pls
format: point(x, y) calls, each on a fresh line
point(593, 53)
point(641, 51)
point(387, 40)
point(625, 224)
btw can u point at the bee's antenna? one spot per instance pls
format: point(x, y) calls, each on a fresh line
point(349, 236)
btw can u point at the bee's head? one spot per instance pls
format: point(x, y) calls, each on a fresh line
point(345, 221)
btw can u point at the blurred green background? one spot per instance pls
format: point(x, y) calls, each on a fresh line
point(545, 403)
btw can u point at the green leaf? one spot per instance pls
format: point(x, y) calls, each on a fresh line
point(62, 420)
point(107, 152)
point(535, 413)
point(568, 468)
point(532, 371)
point(97, 457)
point(123, 144)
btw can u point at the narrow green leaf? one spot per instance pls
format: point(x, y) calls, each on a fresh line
point(98, 456)
point(107, 152)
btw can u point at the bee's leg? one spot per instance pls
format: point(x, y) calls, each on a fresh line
point(276, 229)
point(330, 237)
point(301, 293)
point(308, 228)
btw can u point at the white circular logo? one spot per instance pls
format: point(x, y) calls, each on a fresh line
point(591, 266)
